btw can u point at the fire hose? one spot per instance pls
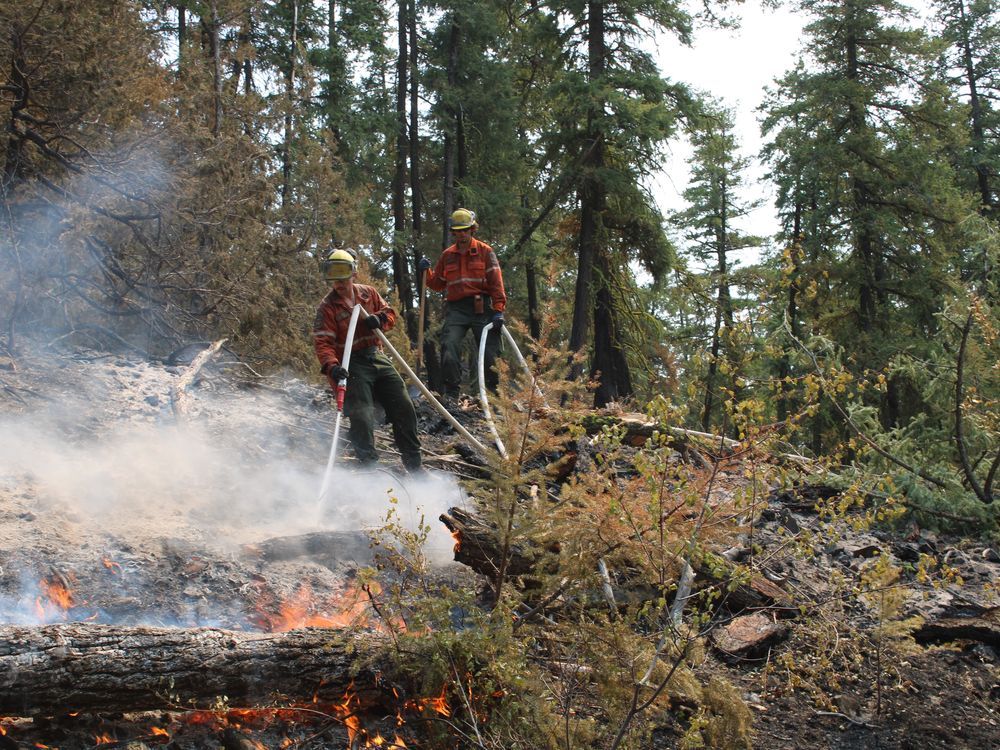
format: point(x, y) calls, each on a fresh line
point(342, 385)
point(341, 391)
point(482, 391)
point(482, 381)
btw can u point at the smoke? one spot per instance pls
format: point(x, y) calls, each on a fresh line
point(109, 456)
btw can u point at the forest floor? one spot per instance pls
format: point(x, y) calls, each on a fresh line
point(130, 496)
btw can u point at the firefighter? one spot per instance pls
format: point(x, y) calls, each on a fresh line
point(468, 272)
point(372, 377)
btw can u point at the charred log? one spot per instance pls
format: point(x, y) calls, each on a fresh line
point(982, 628)
point(480, 548)
point(101, 668)
point(338, 545)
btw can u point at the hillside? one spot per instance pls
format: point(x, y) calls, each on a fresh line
point(140, 494)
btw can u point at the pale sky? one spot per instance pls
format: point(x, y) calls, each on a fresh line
point(734, 66)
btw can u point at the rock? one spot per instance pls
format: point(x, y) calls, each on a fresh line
point(748, 636)
point(991, 555)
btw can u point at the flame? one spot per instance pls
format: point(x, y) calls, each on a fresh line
point(457, 536)
point(55, 600)
point(104, 739)
point(345, 712)
point(159, 732)
point(397, 741)
point(111, 565)
point(438, 704)
point(300, 612)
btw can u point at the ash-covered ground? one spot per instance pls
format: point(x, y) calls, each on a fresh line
point(126, 499)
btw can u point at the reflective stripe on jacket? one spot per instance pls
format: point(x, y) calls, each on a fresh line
point(466, 274)
point(333, 318)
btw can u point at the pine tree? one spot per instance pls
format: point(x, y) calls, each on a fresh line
point(710, 227)
point(859, 133)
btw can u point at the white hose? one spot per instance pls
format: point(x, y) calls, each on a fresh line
point(524, 364)
point(348, 345)
point(483, 399)
point(430, 397)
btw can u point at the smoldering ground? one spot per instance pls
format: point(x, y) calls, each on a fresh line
point(102, 481)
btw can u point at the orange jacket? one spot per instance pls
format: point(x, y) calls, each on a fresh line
point(333, 317)
point(467, 274)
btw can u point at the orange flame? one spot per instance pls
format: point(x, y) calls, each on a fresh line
point(300, 612)
point(457, 536)
point(159, 732)
point(438, 704)
point(55, 599)
point(111, 565)
point(104, 739)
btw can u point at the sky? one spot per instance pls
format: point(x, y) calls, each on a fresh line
point(735, 66)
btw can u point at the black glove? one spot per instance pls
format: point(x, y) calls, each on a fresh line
point(337, 373)
point(424, 265)
point(497, 320)
point(373, 322)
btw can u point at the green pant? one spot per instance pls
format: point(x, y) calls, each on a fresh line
point(373, 378)
point(460, 317)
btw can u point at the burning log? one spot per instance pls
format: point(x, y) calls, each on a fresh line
point(478, 546)
point(85, 667)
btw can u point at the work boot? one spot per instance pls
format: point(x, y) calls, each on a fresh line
point(412, 463)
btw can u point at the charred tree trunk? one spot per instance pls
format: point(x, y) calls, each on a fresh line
point(85, 667)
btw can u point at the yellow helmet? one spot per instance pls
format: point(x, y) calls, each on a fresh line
point(338, 265)
point(463, 218)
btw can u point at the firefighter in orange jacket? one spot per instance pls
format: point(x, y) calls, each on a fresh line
point(469, 274)
point(372, 377)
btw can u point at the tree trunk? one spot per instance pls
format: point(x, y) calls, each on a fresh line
point(592, 192)
point(609, 365)
point(86, 667)
point(286, 148)
point(216, 53)
point(448, 190)
point(400, 272)
point(416, 189)
point(975, 114)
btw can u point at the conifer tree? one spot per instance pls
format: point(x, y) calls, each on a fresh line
point(614, 111)
point(859, 134)
point(711, 229)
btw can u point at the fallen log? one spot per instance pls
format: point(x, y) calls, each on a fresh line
point(982, 628)
point(479, 547)
point(337, 545)
point(56, 669)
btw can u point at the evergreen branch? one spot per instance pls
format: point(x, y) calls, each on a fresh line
point(853, 425)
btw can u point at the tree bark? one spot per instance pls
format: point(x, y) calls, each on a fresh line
point(86, 667)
